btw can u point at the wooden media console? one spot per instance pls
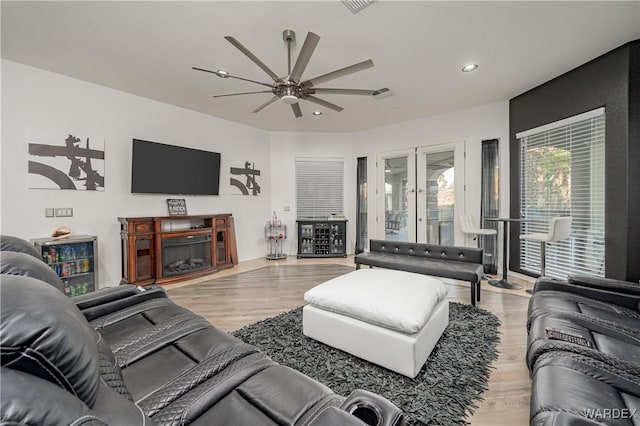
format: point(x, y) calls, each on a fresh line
point(166, 249)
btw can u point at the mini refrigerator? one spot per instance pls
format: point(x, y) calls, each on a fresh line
point(74, 259)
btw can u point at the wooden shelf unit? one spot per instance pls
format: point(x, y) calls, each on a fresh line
point(147, 241)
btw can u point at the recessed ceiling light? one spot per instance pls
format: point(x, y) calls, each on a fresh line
point(470, 67)
point(317, 113)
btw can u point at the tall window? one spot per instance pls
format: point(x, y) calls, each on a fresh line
point(319, 187)
point(562, 174)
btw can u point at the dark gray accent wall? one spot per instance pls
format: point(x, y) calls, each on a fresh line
point(611, 81)
point(633, 234)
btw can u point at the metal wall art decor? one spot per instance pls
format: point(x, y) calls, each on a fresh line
point(177, 206)
point(66, 162)
point(250, 186)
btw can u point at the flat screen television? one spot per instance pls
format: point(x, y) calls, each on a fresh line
point(157, 168)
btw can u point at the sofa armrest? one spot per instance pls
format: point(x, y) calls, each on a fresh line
point(111, 299)
point(619, 286)
point(602, 289)
point(372, 409)
point(361, 408)
point(333, 416)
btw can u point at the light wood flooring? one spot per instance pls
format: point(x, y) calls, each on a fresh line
point(230, 303)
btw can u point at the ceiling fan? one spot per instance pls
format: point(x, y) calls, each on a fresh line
point(291, 88)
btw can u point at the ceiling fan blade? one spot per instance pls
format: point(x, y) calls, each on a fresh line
point(339, 73)
point(364, 92)
point(304, 56)
point(323, 103)
point(227, 75)
point(266, 104)
point(251, 56)
point(296, 110)
point(241, 93)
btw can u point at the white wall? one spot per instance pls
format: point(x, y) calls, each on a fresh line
point(37, 100)
point(285, 148)
point(471, 125)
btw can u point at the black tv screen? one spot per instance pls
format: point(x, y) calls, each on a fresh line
point(158, 168)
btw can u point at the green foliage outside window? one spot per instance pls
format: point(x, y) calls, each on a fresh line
point(548, 177)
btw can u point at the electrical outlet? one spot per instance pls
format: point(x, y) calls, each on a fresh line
point(64, 212)
point(287, 208)
point(49, 212)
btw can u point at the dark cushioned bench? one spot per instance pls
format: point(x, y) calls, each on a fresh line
point(458, 263)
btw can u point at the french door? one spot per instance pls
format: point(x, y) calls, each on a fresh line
point(420, 192)
point(396, 195)
point(440, 196)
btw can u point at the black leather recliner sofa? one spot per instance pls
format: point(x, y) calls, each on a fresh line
point(130, 356)
point(583, 351)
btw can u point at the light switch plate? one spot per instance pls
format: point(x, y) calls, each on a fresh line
point(64, 212)
point(49, 212)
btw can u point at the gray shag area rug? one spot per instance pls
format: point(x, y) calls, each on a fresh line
point(444, 392)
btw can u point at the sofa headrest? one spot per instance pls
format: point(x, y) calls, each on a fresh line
point(9, 243)
point(29, 400)
point(16, 263)
point(44, 334)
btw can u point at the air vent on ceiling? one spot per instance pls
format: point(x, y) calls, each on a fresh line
point(357, 5)
point(382, 93)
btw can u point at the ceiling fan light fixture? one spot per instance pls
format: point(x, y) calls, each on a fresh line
point(470, 67)
point(289, 99)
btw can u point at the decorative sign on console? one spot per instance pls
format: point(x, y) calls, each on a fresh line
point(59, 161)
point(177, 206)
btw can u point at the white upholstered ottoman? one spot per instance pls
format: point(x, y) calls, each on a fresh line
point(391, 318)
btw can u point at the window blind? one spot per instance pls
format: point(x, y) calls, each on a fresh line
point(562, 174)
point(319, 187)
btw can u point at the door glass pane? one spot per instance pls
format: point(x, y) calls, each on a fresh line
point(221, 248)
point(395, 199)
point(143, 258)
point(440, 199)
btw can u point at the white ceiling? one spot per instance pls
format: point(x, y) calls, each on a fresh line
point(418, 47)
